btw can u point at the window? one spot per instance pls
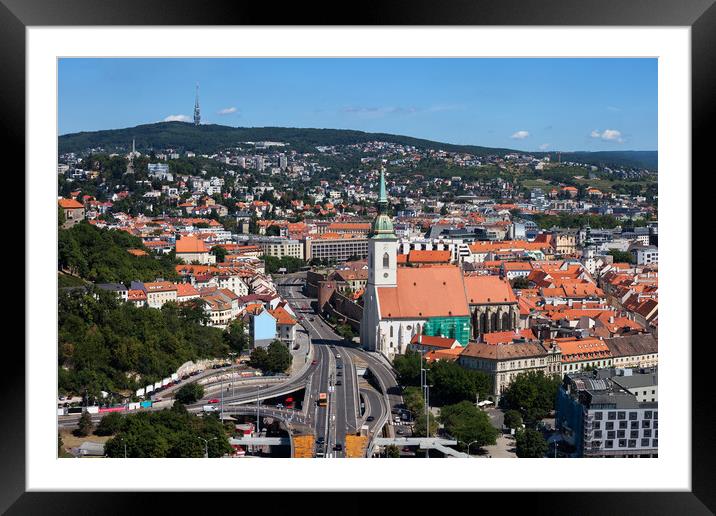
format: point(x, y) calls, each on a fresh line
point(622, 424)
point(609, 425)
point(621, 433)
point(597, 425)
point(609, 444)
point(622, 443)
point(647, 414)
point(598, 415)
point(621, 415)
point(631, 443)
point(654, 443)
point(598, 434)
point(634, 424)
point(632, 416)
point(610, 435)
point(646, 424)
point(634, 434)
point(647, 433)
point(386, 261)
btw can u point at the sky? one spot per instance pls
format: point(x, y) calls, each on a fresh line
point(526, 104)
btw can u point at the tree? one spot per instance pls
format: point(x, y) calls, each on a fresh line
point(392, 451)
point(467, 423)
point(513, 419)
point(533, 394)
point(278, 357)
point(109, 424)
point(85, 426)
point(414, 401)
point(530, 443)
point(220, 253)
point(235, 336)
point(258, 358)
point(621, 256)
point(520, 282)
point(408, 368)
point(420, 425)
point(453, 383)
point(189, 393)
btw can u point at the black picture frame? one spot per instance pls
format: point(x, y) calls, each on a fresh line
point(700, 15)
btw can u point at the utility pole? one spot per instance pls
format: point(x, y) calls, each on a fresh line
point(258, 419)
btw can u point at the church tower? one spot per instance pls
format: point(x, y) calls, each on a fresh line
point(382, 271)
point(383, 245)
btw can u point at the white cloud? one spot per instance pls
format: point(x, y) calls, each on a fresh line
point(520, 135)
point(544, 146)
point(611, 135)
point(177, 118)
point(227, 111)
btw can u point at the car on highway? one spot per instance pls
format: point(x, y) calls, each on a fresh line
point(339, 373)
point(310, 319)
point(320, 440)
point(370, 418)
point(314, 362)
point(339, 382)
point(338, 355)
point(400, 431)
point(339, 366)
point(338, 447)
point(213, 400)
point(279, 405)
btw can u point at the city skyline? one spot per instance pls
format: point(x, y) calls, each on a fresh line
point(525, 104)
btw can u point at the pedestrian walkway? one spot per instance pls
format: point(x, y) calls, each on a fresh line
point(300, 355)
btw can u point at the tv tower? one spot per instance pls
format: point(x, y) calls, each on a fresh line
point(197, 112)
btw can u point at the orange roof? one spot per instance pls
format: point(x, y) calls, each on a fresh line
point(159, 286)
point(506, 337)
point(136, 295)
point(573, 349)
point(444, 354)
point(417, 256)
point(255, 308)
point(488, 289)
point(434, 342)
point(186, 290)
point(137, 252)
point(68, 204)
point(191, 244)
point(282, 316)
point(424, 292)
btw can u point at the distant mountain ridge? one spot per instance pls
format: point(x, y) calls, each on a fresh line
point(209, 138)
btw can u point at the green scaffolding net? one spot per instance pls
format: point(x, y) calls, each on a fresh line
point(457, 328)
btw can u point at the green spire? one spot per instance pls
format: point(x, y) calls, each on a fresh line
point(382, 225)
point(383, 197)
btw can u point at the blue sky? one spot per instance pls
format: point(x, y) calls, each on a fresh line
point(528, 104)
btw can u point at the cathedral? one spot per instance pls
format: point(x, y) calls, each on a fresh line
point(401, 302)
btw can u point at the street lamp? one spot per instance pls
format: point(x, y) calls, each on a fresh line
point(258, 418)
point(206, 446)
point(468, 445)
point(125, 446)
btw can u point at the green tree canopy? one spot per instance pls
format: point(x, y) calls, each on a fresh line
point(513, 419)
point(408, 368)
point(530, 443)
point(101, 256)
point(109, 424)
point(467, 423)
point(189, 393)
point(533, 394)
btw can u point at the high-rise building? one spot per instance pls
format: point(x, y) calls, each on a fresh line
point(197, 112)
point(282, 162)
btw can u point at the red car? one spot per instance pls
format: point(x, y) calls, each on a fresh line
point(314, 362)
point(215, 400)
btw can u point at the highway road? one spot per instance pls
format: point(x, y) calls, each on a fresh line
point(335, 361)
point(344, 406)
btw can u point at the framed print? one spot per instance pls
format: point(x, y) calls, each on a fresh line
point(432, 234)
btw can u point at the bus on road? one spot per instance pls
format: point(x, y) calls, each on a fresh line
point(322, 399)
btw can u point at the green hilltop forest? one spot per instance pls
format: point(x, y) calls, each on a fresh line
point(206, 139)
point(101, 256)
point(107, 344)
